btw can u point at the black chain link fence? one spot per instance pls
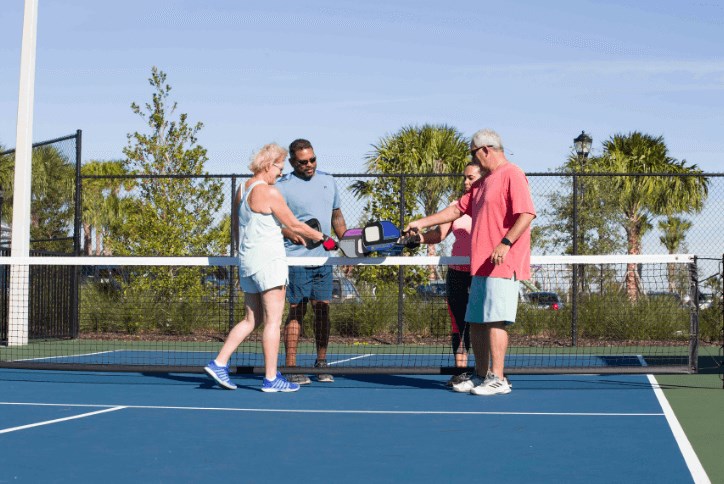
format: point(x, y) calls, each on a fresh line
point(54, 213)
point(181, 215)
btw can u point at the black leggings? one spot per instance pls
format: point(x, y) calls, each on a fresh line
point(458, 287)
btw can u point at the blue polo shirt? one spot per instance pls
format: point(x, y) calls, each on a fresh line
point(307, 199)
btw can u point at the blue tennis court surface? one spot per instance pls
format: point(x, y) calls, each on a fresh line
point(131, 427)
point(368, 360)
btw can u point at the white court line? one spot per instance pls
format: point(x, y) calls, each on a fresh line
point(68, 356)
point(350, 359)
point(373, 412)
point(48, 422)
point(692, 461)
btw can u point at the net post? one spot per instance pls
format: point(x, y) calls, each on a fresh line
point(18, 326)
point(574, 305)
point(18, 313)
point(694, 317)
point(719, 299)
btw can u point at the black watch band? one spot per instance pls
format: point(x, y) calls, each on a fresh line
point(506, 242)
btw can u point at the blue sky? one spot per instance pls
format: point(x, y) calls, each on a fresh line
point(344, 74)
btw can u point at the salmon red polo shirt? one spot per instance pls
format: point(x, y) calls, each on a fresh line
point(494, 202)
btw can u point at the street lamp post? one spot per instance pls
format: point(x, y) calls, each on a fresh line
point(582, 145)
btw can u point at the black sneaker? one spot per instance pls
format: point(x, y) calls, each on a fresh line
point(299, 379)
point(455, 379)
point(323, 377)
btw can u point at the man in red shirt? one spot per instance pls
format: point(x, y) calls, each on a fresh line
point(502, 210)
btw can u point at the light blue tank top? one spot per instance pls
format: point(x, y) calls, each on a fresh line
point(260, 238)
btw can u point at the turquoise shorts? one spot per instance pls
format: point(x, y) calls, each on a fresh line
point(492, 299)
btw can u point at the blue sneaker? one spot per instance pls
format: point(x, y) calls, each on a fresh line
point(220, 374)
point(279, 384)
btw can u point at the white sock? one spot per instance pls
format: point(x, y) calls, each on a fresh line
point(218, 364)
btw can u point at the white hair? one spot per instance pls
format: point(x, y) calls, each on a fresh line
point(487, 137)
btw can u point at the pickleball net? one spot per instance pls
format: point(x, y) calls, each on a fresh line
point(577, 314)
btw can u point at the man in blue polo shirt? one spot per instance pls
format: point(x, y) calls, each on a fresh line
point(310, 194)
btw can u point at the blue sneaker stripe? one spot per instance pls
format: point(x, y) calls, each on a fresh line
point(279, 384)
point(220, 374)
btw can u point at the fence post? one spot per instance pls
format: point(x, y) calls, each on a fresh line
point(401, 270)
point(75, 274)
point(694, 317)
point(78, 194)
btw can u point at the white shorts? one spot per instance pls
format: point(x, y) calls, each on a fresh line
point(492, 299)
point(275, 274)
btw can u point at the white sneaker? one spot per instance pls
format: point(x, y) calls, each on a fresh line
point(466, 386)
point(492, 386)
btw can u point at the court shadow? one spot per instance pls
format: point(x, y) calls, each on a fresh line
point(414, 381)
point(201, 381)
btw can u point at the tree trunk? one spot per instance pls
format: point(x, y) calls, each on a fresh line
point(671, 274)
point(633, 237)
point(87, 238)
point(99, 241)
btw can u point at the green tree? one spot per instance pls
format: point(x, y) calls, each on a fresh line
point(52, 197)
point(174, 216)
point(171, 212)
point(103, 202)
point(426, 149)
point(7, 171)
point(53, 190)
point(598, 221)
point(641, 198)
point(674, 231)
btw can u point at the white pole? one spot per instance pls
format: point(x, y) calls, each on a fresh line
point(19, 275)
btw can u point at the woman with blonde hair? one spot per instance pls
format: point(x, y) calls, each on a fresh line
point(263, 266)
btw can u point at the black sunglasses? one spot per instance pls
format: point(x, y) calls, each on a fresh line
point(472, 152)
point(311, 160)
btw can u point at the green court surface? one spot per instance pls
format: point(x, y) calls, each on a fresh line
point(698, 402)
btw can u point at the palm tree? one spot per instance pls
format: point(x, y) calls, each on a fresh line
point(52, 192)
point(640, 198)
point(427, 149)
point(7, 172)
point(102, 202)
point(674, 231)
